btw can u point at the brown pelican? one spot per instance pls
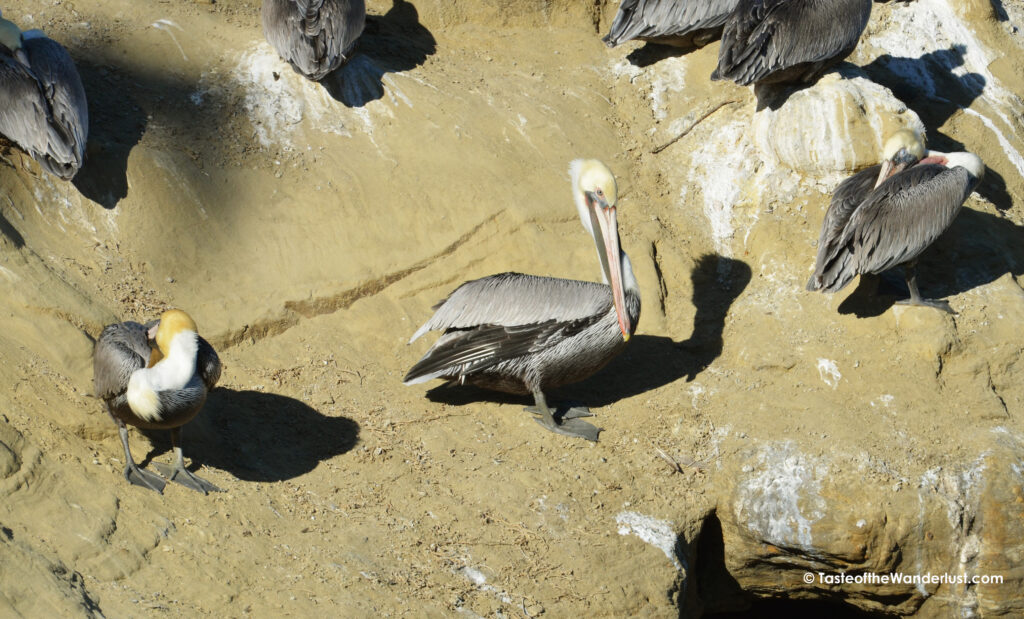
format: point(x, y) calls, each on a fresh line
point(42, 102)
point(161, 388)
point(771, 41)
point(673, 22)
point(523, 333)
point(888, 214)
point(314, 36)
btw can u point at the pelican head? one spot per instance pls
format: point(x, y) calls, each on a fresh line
point(596, 195)
point(172, 322)
point(902, 150)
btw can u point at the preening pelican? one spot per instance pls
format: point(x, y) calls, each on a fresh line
point(42, 102)
point(771, 41)
point(672, 22)
point(314, 36)
point(888, 214)
point(524, 334)
point(161, 388)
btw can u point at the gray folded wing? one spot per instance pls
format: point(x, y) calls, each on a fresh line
point(515, 299)
point(64, 96)
point(897, 222)
point(121, 349)
point(765, 36)
point(845, 200)
point(664, 18)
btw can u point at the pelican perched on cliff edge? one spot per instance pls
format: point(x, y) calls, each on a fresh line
point(672, 22)
point(155, 388)
point(314, 36)
point(42, 102)
point(772, 41)
point(887, 215)
point(524, 333)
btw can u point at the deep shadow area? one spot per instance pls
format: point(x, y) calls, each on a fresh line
point(720, 595)
point(797, 609)
point(651, 361)
point(716, 589)
point(915, 81)
point(652, 53)
point(125, 103)
point(977, 249)
point(918, 82)
point(648, 361)
point(390, 43)
point(116, 124)
point(999, 11)
point(11, 233)
point(260, 436)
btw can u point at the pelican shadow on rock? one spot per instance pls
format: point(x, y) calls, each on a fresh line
point(918, 82)
point(390, 43)
point(999, 11)
point(116, 124)
point(652, 53)
point(259, 436)
point(977, 249)
point(8, 231)
point(648, 361)
point(774, 95)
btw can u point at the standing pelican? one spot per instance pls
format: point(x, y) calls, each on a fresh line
point(523, 333)
point(42, 102)
point(888, 214)
point(161, 388)
point(771, 41)
point(314, 36)
point(673, 22)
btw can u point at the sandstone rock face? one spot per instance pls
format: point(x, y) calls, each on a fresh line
point(754, 433)
point(838, 124)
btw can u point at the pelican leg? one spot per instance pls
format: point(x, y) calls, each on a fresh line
point(179, 474)
point(569, 426)
point(132, 472)
point(915, 295)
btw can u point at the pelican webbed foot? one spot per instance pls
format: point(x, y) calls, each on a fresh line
point(915, 294)
point(567, 423)
point(180, 475)
point(574, 412)
point(139, 477)
point(938, 304)
point(570, 427)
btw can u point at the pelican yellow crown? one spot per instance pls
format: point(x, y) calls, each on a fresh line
point(595, 176)
point(904, 139)
point(173, 322)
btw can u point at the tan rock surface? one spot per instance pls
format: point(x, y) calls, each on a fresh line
point(310, 236)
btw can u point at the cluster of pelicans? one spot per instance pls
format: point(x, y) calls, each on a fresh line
point(511, 332)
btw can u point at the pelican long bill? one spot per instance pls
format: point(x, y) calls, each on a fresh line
point(608, 237)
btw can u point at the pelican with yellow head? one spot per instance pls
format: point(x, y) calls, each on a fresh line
point(525, 333)
point(887, 215)
point(156, 377)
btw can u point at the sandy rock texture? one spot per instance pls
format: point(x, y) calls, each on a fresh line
point(753, 432)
